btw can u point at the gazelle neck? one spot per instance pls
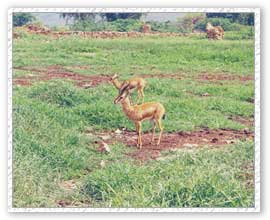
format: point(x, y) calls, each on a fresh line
point(116, 83)
point(127, 107)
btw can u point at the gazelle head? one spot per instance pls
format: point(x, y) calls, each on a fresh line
point(115, 76)
point(123, 93)
point(208, 26)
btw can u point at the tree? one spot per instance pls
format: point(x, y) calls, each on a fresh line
point(104, 16)
point(241, 18)
point(187, 23)
point(78, 16)
point(20, 18)
point(115, 16)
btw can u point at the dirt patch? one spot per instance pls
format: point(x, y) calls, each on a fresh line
point(185, 140)
point(249, 122)
point(57, 72)
point(223, 77)
point(160, 75)
point(35, 29)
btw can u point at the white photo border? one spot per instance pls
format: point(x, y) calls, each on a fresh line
point(256, 12)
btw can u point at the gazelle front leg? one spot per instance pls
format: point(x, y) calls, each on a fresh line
point(142, 94)
point(161, 130)
point(139, 133)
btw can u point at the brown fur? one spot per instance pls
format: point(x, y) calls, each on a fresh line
point(153, 111)
point(134, 83)
point(216, 33)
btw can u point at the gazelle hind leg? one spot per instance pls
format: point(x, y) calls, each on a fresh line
point(161, 130)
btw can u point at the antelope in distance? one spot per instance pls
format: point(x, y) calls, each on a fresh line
point(214, 32)
point(134, 83)
point(153, 111)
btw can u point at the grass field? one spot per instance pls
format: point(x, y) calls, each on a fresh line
point(55, 123)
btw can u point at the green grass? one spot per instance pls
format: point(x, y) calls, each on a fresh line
point(190, 179)
point(50, 119)
point(130, 56)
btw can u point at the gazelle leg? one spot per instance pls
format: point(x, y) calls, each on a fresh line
point(153, 131)
point(161, 130)
point(142, 94)
point(138, 96)
point(139, 132)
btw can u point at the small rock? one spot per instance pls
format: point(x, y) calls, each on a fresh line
point(103, 147)
point(214, 140)
point(87, 86)
point(246, 130)
point(230, 141)
point(205, 94)
point(190, 145)
point(102, 163)
point(205, 140)
point(117, 131)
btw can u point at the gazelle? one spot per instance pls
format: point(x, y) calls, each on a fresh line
point(153, 111)
point(214, 32)
point(134, 83)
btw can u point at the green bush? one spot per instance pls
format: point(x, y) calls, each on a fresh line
point(117, 25)
point(20, 19)
point(164, 26)
point(57, 92)
point(87, 25)
point(225, 23)
point(125, 25)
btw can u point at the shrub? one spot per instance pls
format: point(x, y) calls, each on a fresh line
point(225, 23)
point(164, 26)
point(187, 23)
point(57, 92)
point(121, 25)
point(20, 19)
point(125, 25)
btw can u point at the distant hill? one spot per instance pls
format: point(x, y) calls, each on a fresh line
point(53, 19)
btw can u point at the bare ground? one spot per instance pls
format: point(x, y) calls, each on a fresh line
point(223, 77)
point(58, 72)
point(183, 140)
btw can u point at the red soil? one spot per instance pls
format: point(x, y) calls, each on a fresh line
point(185, 140)
point(57, 72)
point(223, 76)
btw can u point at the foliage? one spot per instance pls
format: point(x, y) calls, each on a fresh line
point(186, 23)
point(225, 23)
point(103, 16)
point(126, 25)
point(167, 26)
point(122, 25)
point(241, 18)
point(79, 16)
point(115, 16)
point(20, 18)
point(88, 25)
